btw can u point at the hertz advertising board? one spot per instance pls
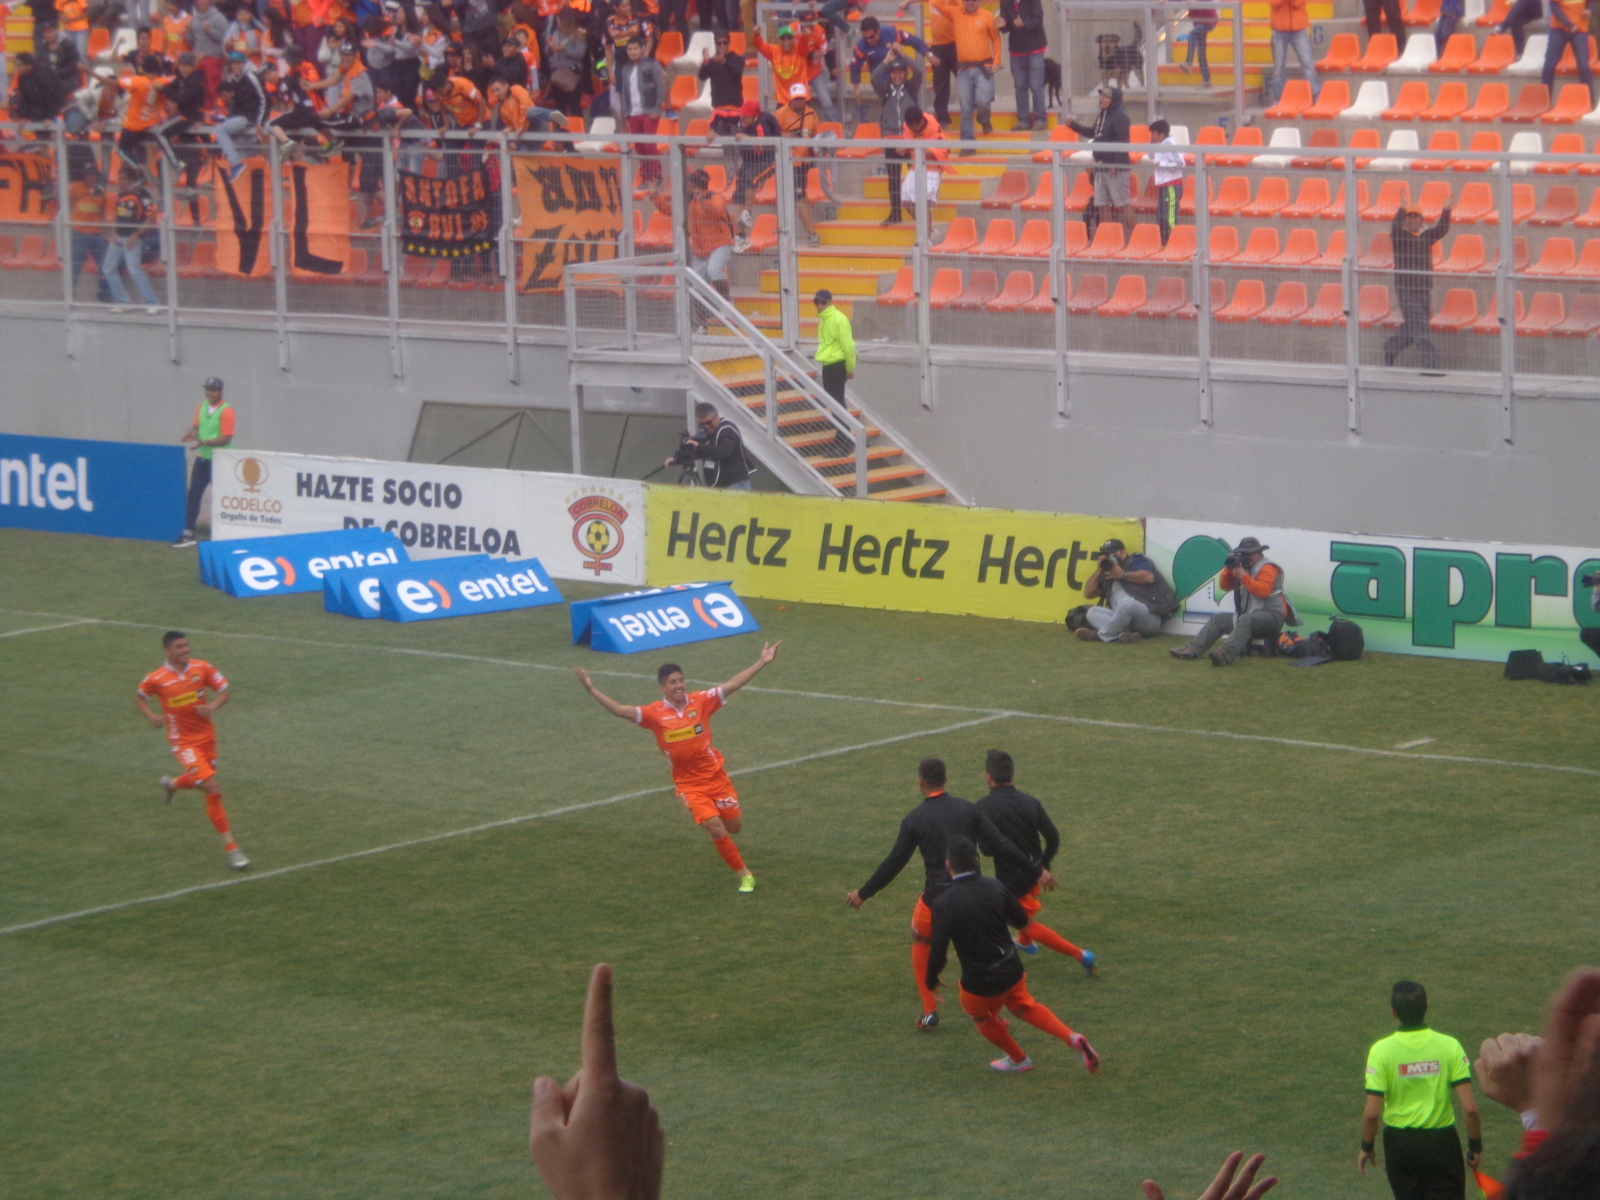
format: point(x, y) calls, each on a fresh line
point(986, 562)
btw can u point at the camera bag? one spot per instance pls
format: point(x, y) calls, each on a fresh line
point(1523, 664)
point(1078, 618)
point(1564, 672)
point(1346, 642)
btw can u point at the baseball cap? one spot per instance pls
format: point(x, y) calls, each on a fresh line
point(750, 108)
point(786, 31)
point(213, 384)
point(1111, 545)
point(799, 89)
point(235, 56)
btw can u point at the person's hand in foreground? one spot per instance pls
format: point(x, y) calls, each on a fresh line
point(598, 1138)
point(1225, 1186)
point(1505, 1069)
point(1570, 1052)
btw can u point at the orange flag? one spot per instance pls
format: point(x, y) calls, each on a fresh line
point(243, 219)
point(23, 180)
point(317, 217)
point(569, 211)
point(1491, 1187)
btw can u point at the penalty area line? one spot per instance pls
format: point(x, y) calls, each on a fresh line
point(506, 822)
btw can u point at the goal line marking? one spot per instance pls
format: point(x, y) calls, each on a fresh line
point(503, 823)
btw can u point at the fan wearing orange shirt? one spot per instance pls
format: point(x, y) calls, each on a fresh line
point(146, 108)
point(681, 721)
point(179, 685)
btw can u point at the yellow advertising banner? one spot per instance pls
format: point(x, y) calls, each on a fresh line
point(569, 211)
point(987, 562)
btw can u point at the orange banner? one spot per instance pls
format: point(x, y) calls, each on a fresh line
point(569, 211)
point(243, 218)
point(24, 180)
point(317, 217)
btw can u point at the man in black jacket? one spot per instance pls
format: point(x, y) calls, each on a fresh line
point(1413, 283)
point(34, 95)
point(1023, 21)
point(1111, 172)
point(721, 448)
point(187, 93)
point(930, 827)
point(725, 70)
point(1023, 820)
point(975, 913)
point(59, 55)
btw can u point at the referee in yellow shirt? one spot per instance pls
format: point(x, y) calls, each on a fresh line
point(1410, 1075)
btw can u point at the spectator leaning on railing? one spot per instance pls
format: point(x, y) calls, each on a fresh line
point(1110, 171)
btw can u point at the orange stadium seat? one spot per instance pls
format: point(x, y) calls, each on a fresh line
point(1335, 210)
point(1343, 51)
point(1372, 308)
point(901, 295)
point(1233, 195)
point(815, 194)
point(1569, 65)
point(1209, 135)
point(946, 287)
point(1219, 299)
point(1489, 323)
point(1224, 244)
point(1583, 318)
point(1590, 217)
point(1588, 264)
point(982, 287)
point(1082, 194)
point(1042, 304)
point(1522, 205)
point(1170, 297)
point(1295, 100)
point(1492, 101)
point(1544, 314)
point(1186, 197)
point(1261, 247)
point(1249, 301)
point(1043, 193)
point(959, 238)
point(1572, 104)
point(867, 129)
point(1127, 299)
point(1533, 101)
point(685, 88)
point(1108, 241)
point(1300, 250)
point(1018, 291)
point(657, 237)
point(1484, 142)
point(1332, 100)
point(1319, 138)
point(1244, 137)
point(1560, 206)
point(751, 85)
point(1499, 10)
point(1443, 141)
point(1013, 190)
point(764, 232)
point(1179, 248)
point(1381, 51)
point(1333, 257)
point(1328, 311)
point(670, 47)
point(1499, 52)
point(1059, 134)
point(1287, 306)
point(998, 238)
point(1034, 242)
point(699, 128)
point(1474, 204)
point(1457, 313)
point(1379, 255)
point(1360, 139)
point(1458, 54)
point(1077, 239)
point(1592, 167)
point(1090, 294)
point(1561, 143)
point(1556, 257)
point(1449, 104)
point(1272, 197)
point(1315, 195)
point(1435, 194)
point(1394, 195)
point(1410, 104)
point(1421, 14)
point(1144, 243)
point(1465, 257)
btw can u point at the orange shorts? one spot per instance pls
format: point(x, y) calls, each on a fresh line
point(922, 919)
point(979, 1007)
point(198, 758)
point(1030, 903)
point(715, 798)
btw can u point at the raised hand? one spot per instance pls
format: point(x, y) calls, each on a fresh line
point(1226, 1186)
point(1505, 1069)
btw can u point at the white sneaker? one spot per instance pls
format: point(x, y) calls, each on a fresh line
point(185, 539)
point(746, 220)
point(119, 308)
point(167, 789)
point(1004, 1063)
point(154, 310)
point(237, 860)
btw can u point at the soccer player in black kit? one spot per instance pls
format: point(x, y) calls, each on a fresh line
point(929, 827)
point(975, 914)
point(1023, 820)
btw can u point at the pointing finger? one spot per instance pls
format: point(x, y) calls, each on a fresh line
point(599, 1032)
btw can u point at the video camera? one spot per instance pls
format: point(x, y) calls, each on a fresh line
point(688, 451)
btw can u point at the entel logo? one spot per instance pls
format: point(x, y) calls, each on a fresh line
point(262, 574)
point(715, 609)
point(499, 586)
point(38, 483)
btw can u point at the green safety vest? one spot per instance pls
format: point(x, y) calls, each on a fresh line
point(209, 424)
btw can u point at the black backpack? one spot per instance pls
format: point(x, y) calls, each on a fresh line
point(1523, 664)
point(1346, 642)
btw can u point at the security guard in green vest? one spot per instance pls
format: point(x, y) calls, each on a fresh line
point(213, 427)
point(1410, 1075)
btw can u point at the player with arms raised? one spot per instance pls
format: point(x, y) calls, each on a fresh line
point(681, 721)
point(180, 685)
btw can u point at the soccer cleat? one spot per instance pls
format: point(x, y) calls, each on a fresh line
point(1088, 961)
point(237, 860)
point(1091, 1060)
point(1127, 639)
point(167, 789)
point(928, 1020)
point(747, 883)
point(1026, 947)
point(1004, 1063)
point(184, 539)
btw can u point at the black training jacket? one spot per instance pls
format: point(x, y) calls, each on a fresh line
point(977, 915)
point(1024, 822)
point(930, 827)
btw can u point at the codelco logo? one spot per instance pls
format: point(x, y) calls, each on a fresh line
point(265, 574)
point(251, 472)
point(715, 609)
point(597, 521)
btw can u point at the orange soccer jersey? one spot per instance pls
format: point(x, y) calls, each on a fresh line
point(179, 694)
point(685, 738)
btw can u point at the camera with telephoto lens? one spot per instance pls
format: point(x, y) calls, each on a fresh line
point(1107, 561)
point(1234, 562)
point(1589, 581)
point(687, 453)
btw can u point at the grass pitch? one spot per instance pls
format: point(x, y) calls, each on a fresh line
point(369, 1027)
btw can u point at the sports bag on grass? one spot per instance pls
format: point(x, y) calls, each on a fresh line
point(1523, 664)
point(1346, 642)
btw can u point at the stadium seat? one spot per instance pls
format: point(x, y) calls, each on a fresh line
point(1499, 52)
point(1271, 198)
point(1146, 240)
point(1018, 291)
point(1583, 318)
point(670, 48)
point(1444, 141)
point(1466, 255)
point(1591, 166)
point(982, 287)
point(1489, 323)
point(1522, 205)
point(1108, 241)
point(1569, 65)
point(1533, 101)
point(1544, 314)
point(698, 128)
point(1179, 248)
point(1186, 197)
point(1209, 135)
point(1560, 206)
point(1526, 142)
point(1043, 193)
point(29, 251)
point(1343, 50)
point(1328, 311)
point(1492, 101)
point(1379, 255)
point(1335, 211)
point(1243, 137)
point(1519, 255)
point(1034, 242)
point(751, 85)
point(202, 264)
point(1219, 300)
point(1588, 264)
point(1420, 15)
point(1232, 196)
point(960, 237)
point(1474, 204)
point(1380, 52)
point(1457, 313)
point(1394, 195)
point(1333, 257)
point(764, 232)
point(1561, 143)
point(902, 294)
point(1531, 60)
point(1077, 239)
point(865, 130)
point(1249, 301)
point(1497, 14)
point(1091, 293)
point(1013, 190)
point(1371, 100)
point(1287, 306)
point(1590, 217)
point(946, 287)
point(1458, 54)
point(1170, 297)
point(1572, 104)
point(998, 238)
point(1319, 138)
point(815, 192)
point(1449, 104)
point(1295, 100)
point(1412, 101)
point(1285, 137)
point(1416, 58)
point(657, 237)
point(1082, 194)
point(1400, 141)
point(1042, 303)
point(1261, 247)
point(1556, 257)
point(1127, 299)
point(1360, 139)
point(1300, 250)
point(1060, 133)
point(1430, 202)
point(1372, 308)
point(685, 89)
point(1224, 244)
point(1331, 101)
point(1484, 142)
point(1315, 195)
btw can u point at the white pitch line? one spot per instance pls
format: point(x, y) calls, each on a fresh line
point(1415, 744)
point(1092, 722)
point(256, 877)
point(48, 628)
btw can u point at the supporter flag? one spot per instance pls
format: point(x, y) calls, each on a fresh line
point(447, 218)
point(27, 183)
point(317, 217)
point(244, 219)
point(570, 211)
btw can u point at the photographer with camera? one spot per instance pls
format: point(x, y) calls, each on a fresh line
point(1133, 597)
point(1260, 607)
point(719, 446)
point(1591, 637)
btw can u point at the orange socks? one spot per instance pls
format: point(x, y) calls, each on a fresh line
point(1046, 936)
point(920, 952)
point(991, 1028)
point(187, 780)
point(1040, 1017)
point(218, 814)
point(730, 853)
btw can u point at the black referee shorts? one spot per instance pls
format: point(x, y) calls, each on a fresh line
point(1424, 1164)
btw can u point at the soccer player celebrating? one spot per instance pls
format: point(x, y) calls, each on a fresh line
point(681, 721)
point(930, 827)
point(1023, 820)
point(180, 684)
point(974, 912)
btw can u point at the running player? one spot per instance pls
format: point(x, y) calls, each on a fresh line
point(681, 721)
point(180, 684)
point(973, 912)
point(930, 827)
point(1023, 819)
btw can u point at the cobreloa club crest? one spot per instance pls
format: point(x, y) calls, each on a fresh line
point(597, 522)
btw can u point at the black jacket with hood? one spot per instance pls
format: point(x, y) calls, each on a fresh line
point(1111, 124)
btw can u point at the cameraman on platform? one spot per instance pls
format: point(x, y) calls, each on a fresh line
point(719, 446)
point(1591, 637)
point(1259, 607)
point(1133, 597)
